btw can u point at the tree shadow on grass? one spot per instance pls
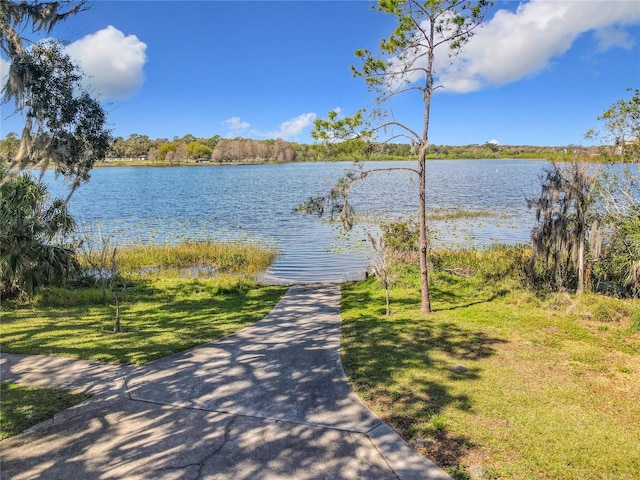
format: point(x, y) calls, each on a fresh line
point(157, 320)
point(410, 368)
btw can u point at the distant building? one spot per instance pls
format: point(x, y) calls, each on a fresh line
point(621, 146)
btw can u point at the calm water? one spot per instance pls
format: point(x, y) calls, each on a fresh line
point(256, 203)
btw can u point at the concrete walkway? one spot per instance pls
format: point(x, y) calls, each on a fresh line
point(268, 402)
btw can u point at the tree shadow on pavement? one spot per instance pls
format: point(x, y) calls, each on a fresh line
point(269, 401)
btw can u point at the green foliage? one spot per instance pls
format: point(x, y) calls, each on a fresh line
point(620, 131)
point(64, 125)
point(166, 148)
point(198, 150)
point(400, 235)
point(340, 137)
point(32, 248)
point(9, 147)
point(617, 259)
point(619, 264)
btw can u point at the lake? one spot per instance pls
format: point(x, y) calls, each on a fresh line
point(256, 203)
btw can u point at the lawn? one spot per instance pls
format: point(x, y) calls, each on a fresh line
point(191, 293)
point(499, 382)
point(159, 317)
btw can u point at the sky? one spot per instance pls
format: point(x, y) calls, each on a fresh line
point(538, 72)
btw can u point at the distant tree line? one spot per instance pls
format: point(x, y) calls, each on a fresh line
point(190, 149)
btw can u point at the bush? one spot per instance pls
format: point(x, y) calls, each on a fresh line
point(400, 236)
point(495, 263)
point(618, 269)
point(32, 238)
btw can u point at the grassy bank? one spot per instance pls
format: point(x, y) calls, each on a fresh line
point(161, 312)
point(499, 382)
point(159, 317)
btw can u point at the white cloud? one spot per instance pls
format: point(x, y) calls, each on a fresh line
point(112, 61)
point(513, 45)
point(295, 126)
point(613, 37)
point(287, 130)
point(235, 126)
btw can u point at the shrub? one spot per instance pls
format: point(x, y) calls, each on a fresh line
point(33, 252)
point(400, 236)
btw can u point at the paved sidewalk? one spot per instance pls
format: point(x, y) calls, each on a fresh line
point(268, 402)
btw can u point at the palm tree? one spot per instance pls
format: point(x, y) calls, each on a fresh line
point(32, 248)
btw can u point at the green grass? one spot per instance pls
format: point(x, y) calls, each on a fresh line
point(524, 386)
point(24, 407)
point(161, 312)
point(159, 317)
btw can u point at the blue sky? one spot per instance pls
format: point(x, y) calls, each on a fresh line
point(538, 73)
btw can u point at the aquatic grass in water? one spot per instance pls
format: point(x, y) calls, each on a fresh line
point(211, 257)
point(457, 214)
